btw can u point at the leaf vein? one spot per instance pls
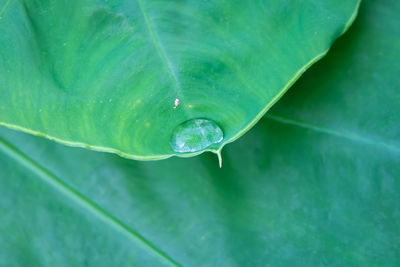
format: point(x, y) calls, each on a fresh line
point(84, 202)
point(346, 135)
point(161, 51)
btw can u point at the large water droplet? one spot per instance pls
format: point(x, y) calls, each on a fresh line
point(195, 135)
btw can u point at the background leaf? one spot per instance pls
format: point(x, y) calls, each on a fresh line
point(321, 188)
point(122, 75)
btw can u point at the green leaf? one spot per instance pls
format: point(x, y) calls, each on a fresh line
point(354, 93)
point(121, 76)
point(315, 183)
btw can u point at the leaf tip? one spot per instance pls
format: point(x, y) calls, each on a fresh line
point(219, 158)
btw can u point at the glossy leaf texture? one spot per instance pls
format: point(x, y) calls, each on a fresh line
point(120, 75)
point(315, 183)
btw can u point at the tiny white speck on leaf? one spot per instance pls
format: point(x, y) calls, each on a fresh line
point(176, 103)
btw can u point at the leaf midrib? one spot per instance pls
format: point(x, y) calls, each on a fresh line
point(161, 52)
point(84, 202)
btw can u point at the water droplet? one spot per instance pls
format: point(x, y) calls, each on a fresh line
point(195, 135)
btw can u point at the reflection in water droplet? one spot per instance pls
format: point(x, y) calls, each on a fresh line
point(195, 135)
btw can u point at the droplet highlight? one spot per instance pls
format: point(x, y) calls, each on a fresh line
point(195, 135)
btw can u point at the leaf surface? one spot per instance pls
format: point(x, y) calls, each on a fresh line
point(314, 183)
point(121, 76)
